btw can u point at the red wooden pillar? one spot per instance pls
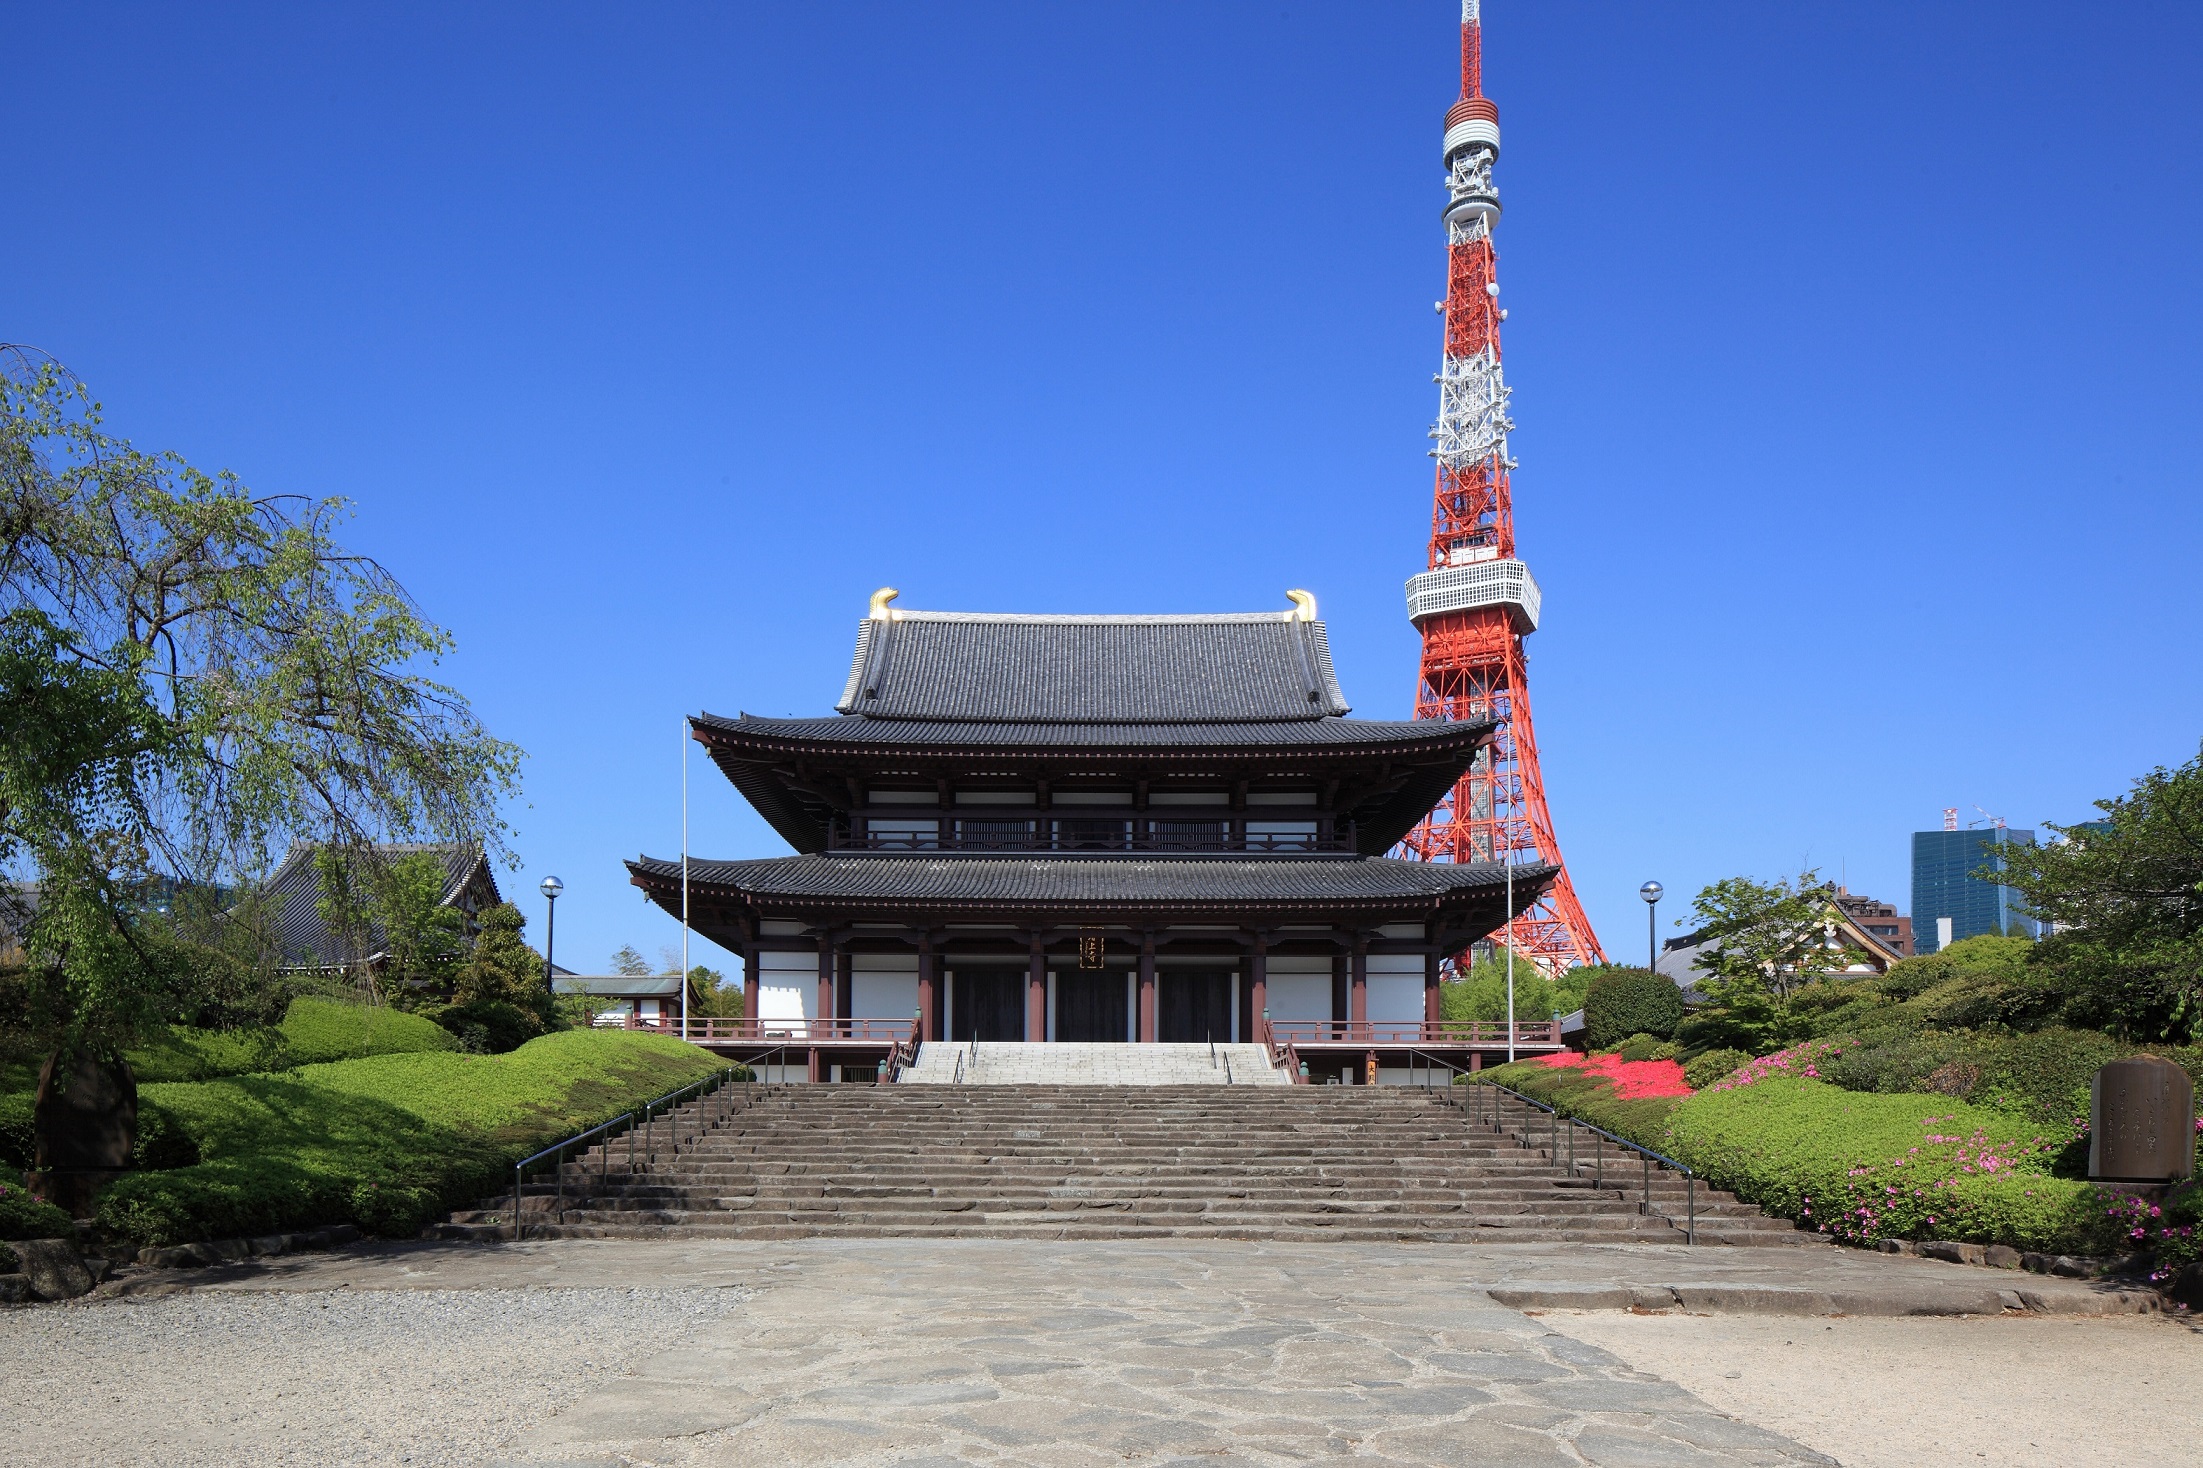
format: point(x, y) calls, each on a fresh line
point(1258, 986)
point(750, 966)
point(825, 1003)
point(1431, 1006)
point(845, 985)
point(1358, 986)
point(1036, 990)
point(1147, 988)
point(929, 964)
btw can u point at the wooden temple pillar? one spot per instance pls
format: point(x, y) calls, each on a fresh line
point(1257, 1006)
point(1357, 997)
point(827, 954)
point(929, 972)
point(1431, 1006)
point(1147, 987)
point(845, 985)
point(750, 967)
point(1036, 988)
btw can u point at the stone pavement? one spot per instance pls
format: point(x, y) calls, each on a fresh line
point(942, 1351)
point(1068, 1063)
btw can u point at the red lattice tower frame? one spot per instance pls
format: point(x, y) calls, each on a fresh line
point(1477, 600)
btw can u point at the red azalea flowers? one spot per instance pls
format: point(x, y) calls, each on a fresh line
point(1632, 1080)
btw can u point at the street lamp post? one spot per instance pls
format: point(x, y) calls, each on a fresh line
point(1652, 892)
point(550, 889)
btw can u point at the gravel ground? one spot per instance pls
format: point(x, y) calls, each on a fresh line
point(337, 1376)
point(1881, 1393)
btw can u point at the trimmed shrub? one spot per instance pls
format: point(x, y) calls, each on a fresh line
point(1646, 1047)
point(1712, 1066)
point(24, 1217)
point(1865, 1167)
point(1627, 1001)
point(388, 1142)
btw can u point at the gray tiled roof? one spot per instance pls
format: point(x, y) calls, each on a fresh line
point(294, 893)
point(1036, 883)
point(976, 668)
point(914, 733)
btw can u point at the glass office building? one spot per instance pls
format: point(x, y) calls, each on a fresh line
point(1949, 901)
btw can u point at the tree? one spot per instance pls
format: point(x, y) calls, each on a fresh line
point(715, 997)
point(630, 963)
point(503, 969)
point(193, 678)
point(2124, 898)
point(1767, 938)
point(1482, 994)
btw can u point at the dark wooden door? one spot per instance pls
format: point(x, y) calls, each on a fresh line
point(1091, 1005)
point(989, 1004)
point(1194, 1004)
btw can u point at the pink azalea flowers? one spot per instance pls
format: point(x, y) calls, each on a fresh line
point(1632, 1080)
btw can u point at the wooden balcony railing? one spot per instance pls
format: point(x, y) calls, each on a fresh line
point(1449, 1034)
point(895, 1032)
point(1086, 835)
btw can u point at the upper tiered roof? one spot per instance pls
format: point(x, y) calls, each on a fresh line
point(984, 668)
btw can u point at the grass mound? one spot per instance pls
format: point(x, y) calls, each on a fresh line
point(388, 1142)
point(312, 1032)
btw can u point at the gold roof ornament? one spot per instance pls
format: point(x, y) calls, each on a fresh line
point(1304, 605)
point(880, 599)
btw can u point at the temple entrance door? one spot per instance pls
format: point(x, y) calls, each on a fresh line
point(989, 1004)
point(1194, 1004)
point(1090, 1005)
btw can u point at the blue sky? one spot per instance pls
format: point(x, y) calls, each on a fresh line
point(1856, 351)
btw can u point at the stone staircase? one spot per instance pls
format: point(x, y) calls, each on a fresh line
point(1104, 1162)
point(1066, 1063)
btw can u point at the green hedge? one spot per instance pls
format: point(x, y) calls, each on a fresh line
point(24, 1217)
point(1868, 1167)
point(389, 1142)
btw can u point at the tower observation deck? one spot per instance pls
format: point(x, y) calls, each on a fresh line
point(1476, 600)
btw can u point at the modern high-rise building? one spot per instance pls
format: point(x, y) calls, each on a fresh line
point(1949, 901)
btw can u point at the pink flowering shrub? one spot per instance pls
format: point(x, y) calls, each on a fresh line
point(1803, 1060)
point(1864, 1167)
point(2166, 1231)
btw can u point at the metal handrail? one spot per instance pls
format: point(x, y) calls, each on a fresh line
point(1648, 1156)
point(556, 1151)
point(1430, 1060)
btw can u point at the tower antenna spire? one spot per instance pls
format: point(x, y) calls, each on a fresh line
point(1477, 600)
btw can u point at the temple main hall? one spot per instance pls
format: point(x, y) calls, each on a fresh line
point(1127, 829)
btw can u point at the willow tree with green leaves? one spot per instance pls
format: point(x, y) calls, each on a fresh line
point(193, 677)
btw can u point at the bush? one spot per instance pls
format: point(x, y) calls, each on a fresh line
point(1626, 1001)
point(24, 1217)
point(388, 1142)
point(488, 1026)
point(1712, 1066)
point(18, 1139)
point(1866, 1167)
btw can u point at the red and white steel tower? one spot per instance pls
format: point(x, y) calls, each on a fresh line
point(1477, 600)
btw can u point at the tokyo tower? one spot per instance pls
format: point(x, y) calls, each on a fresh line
point(1477, 601)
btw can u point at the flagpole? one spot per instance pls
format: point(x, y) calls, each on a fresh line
point(684, 878)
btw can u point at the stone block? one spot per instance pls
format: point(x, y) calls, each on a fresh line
point(52, 1268)
point(2001, 1256)
point(15, 1289)
point(1897, 1246)
point(1952, 1252)
point(268, 1245)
